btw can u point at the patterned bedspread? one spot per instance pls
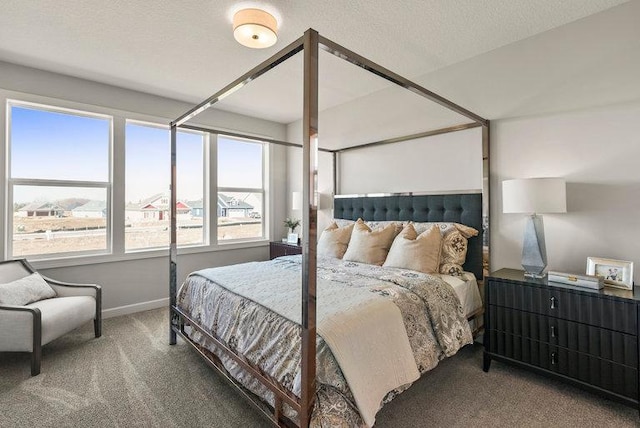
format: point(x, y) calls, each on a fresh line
point(433, 318)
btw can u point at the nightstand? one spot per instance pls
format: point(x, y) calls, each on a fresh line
point(585, 337)
point(277, 249)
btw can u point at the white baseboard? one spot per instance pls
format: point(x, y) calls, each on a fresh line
point(136, 307)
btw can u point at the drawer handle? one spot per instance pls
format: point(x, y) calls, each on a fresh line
point(553, 302)
point(553, 331)
point(553, 358)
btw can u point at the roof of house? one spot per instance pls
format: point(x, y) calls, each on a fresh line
point(150, 204)
point(41, 206)
point(225, 201)
point(195, 204)
point(92, 206)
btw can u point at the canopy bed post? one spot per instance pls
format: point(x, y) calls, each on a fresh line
point(486, 215)
point(334, 156)
point(310, 207)
point(173, 252)
point(452, 206)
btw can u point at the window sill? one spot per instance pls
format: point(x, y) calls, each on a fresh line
point(142, 254)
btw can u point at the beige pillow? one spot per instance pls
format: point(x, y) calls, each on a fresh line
point(367, 246)
point(25, 290)
point(334, 240)
point(416, 252)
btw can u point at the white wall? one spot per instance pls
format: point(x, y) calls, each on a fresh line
point(132, 282)
point(597, 151)
point(294, 184)
point(447, 162)
point(562, 103)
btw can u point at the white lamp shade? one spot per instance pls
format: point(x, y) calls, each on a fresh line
point(296, 201)
point(255, 28)
point(534, 195)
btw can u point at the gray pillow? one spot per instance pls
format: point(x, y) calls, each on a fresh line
point(25, 290)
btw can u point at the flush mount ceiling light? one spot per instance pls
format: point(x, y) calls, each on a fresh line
point(255, 28)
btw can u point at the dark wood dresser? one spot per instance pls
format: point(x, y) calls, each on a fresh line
point(586, 337)
point(277, 249)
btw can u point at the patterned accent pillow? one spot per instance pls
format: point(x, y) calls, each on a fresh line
point(341, 222)
point(452, 269)
point(373, 225)
point(25, 290)
point(334, 240)
point(370, 246)
point(454, 249)
point(416, 252)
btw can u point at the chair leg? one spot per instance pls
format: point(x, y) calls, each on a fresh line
point(97, 321)
point(36, 357)
point(36, 349)
point(97, 327)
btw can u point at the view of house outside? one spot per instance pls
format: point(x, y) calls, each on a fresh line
point(240, 189)
point(58, 219)
point(147, 181)
point(69, 221)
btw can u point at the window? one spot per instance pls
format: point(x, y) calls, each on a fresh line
point(70, 167)
point(59, 183)
point(240, 209)
point(147, 209)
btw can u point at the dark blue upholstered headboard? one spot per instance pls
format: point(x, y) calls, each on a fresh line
point(458, 208)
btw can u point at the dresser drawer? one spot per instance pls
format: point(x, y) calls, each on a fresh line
point(616, 378)
point(581, 307)
point(278, 249)
point(607, 344)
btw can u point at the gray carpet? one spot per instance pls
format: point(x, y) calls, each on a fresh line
point(132, 377)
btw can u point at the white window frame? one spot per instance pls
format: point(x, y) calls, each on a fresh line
point(117, 192)
point(263, 191)
point(206, 218)
point(12, 182)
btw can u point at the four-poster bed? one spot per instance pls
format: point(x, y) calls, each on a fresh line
point(438, 208)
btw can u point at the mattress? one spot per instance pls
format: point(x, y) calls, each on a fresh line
point(466, 288)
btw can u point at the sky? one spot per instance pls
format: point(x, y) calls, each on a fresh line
point(52, 145)
point(148, 163)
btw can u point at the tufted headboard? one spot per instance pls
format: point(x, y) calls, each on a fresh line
point(459, 208)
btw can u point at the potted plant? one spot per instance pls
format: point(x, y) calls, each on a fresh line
point(292, 224)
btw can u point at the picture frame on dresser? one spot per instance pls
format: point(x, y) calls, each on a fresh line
point(616, 273)
point(581, 336)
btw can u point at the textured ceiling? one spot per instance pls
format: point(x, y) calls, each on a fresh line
point(185, 50)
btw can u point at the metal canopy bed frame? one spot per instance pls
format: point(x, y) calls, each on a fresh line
point(309, 44)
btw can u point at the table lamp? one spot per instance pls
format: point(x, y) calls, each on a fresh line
point(534, 196)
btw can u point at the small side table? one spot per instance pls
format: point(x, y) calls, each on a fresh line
point(278, 249)
point(585, 337)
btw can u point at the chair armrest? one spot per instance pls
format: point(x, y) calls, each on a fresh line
point(21, 328)
point(9, 308)
point(66, 289)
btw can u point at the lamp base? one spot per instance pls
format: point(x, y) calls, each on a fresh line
point(534, 253)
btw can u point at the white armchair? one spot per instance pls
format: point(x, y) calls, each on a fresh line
point(27, 328)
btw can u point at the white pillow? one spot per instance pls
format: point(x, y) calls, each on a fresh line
point(416, 252)
point(25, 290)
point(370, 247)
point(334, 240)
